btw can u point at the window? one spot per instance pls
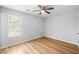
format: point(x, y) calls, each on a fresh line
point(14, 25)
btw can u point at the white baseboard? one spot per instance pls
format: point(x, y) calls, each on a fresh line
point(63, 40)
point(20, 42)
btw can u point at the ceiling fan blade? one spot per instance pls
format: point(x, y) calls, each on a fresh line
point(47, 12)
point(50, 8)
point(40, 6)
point(40, 13)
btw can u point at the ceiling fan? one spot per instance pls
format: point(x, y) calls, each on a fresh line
point(44, 9)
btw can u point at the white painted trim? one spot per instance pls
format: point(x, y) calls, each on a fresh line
point(20, 42)
point(63, 40)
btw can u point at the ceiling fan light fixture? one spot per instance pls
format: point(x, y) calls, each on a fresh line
point(42, 11)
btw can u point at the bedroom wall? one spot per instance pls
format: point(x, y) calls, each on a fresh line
point(62, 26)
point(32, 27)
point(78, 22)
point(0, 28)
point(78, 27)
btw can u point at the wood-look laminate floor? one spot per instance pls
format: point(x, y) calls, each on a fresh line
point(42, 46)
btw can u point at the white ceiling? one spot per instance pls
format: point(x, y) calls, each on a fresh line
point(57, 9)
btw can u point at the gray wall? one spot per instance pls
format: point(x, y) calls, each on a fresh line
point(78, 27)
point(78, 22)
point(32, 26)
point(0, 28)
point(62, 26)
